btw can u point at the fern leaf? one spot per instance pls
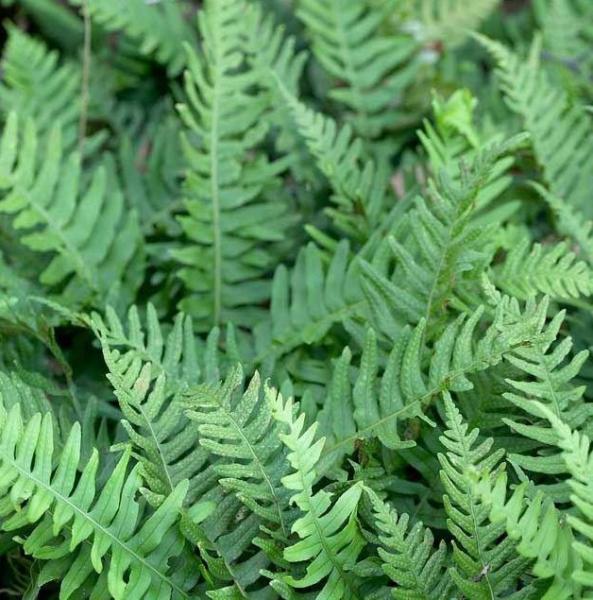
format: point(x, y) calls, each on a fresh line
point(372, 67)
point(245, 436)
point(329, 536)
point(82, 531)
point(408, 556)
point(486, 566)
point(237, 233)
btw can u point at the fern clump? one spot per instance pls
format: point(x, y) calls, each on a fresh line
point(295, 299)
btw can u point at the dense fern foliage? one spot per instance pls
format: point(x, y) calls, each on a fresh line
point(296, 299)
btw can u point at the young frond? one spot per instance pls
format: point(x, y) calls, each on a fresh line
point(408, 555)
point(86, 535)
point(237, 217)
point(330, 539)
point(373, 69)
point(94, 237)
point(486, 565)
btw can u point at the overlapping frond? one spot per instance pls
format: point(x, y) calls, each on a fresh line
point(485, 563)
point(56, 211)
point(88, 536)
point(237, 217)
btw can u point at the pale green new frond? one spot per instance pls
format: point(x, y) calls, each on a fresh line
point(237, 216)
point(552, 270)
point(538, 529)
point(81, 532)
point(486, 565)
point(408, 555)
point(241, 430)
point(330, 539)
point(373, 69)
point(94, 237)
point(159, 28)
point(559, 128)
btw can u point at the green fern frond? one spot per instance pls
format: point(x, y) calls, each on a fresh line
point(408, 555)
point(243, 433)
point(158, 28)
point(451, 21)
point(551, 270)
point(83, 532)
point(57, 212)
point(237, 232)
point(486, 565)
point(307, 301)
point(330, 539)
point(438, 254)
point(559, 129)
point(372, 68)
point(406, 388)
point(539, 530)
point(359, 185)
point(550, 382)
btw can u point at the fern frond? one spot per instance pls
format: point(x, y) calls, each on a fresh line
point(538, 529)
point(55, 213)
point(551, 270)
point(372, 68)
point(486, 565)
point(405, 388)
point(549, 383)
point(244, 434)
point(559, 129)
point(80, 531)
point(330, 540)
point(408, 555)
point(451, 21)
point(438, 254)
point(237, 232)
point(158, 28)
point(307, 301)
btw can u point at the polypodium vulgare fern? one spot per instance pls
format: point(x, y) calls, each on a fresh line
point(295, 299)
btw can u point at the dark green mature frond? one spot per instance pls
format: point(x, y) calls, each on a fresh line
point(237, 217)
point(549, 381)
point(330, 539)
point(373, 69)
point(559, 129)
point(57, 212)
point(436, 255)
point(159, 28)
point(408, 555)
point(87, 536)
point(360, 187)
point(242, 431)
point(406, 388)
point(536, 269)
point(486, 565)
point(307, 301)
